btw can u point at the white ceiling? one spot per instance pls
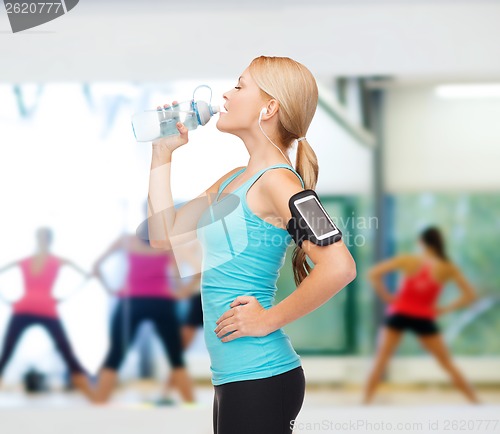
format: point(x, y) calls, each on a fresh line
point(283, 3)
point(154, 40)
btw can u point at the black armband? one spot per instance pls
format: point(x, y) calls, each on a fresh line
point(310, 221)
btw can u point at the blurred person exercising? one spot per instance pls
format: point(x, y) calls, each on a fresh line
point(37, 306)
point(147, 295)
point(414, 308)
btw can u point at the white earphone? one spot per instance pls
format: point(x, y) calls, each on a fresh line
point(262, 112)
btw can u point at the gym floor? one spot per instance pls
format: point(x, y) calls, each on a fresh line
point(326, 409)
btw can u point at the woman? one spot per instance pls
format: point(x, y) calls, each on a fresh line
point(414, 306)
point(146, 296)
point(37, 306)
point(257, 376)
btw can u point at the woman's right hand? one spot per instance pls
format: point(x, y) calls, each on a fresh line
point(171, 143)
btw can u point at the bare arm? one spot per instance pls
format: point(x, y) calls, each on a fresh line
point(189, 254)
point(75, 267)
point(167, 226)
point(468, 296)
point(322, 283)
point(190, 288)
point(10, 265)
point(5, 268)
point(117, 245)
point(376, 273)
point(87, 276)
point(334, 268)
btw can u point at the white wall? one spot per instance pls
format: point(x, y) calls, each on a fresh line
point(345, 166)
point(440, 144)
point(152, 40)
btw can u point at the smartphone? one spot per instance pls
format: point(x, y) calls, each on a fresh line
point(316, 217)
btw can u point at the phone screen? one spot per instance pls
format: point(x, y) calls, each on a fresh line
point(316, 217)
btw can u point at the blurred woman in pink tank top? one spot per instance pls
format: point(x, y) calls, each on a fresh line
point(146, 295)
point(37, 306)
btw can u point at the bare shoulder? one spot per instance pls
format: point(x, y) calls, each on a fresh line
point(275, 190)
point(410, 259)
point(282, 173)
point(130, 241)
point(409, 262)
point(280, 181)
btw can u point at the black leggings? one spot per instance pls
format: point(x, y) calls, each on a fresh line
point(20, 322)
point(127, 317)
point(264, 406)
point(195, 312)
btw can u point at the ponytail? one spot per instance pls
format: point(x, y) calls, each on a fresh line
point(295, 88)
point(307, 167)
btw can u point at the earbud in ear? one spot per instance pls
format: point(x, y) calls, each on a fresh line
point(263, 111)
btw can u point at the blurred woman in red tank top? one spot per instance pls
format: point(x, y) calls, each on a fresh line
point(414, 307)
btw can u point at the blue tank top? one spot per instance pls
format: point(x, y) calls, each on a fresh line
point(242, 255)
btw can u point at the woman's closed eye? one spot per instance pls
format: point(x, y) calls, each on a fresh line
point(237, 87)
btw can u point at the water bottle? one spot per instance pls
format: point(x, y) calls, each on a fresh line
point(150, 125)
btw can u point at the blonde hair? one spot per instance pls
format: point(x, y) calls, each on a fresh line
point(294, 87)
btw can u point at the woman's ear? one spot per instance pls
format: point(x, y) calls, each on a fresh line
point(272, 107)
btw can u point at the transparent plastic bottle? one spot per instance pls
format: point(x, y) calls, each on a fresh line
point(150, 125)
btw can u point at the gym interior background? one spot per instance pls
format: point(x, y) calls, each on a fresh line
point(406, 134)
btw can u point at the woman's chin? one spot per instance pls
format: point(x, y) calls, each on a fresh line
point(220, 126)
